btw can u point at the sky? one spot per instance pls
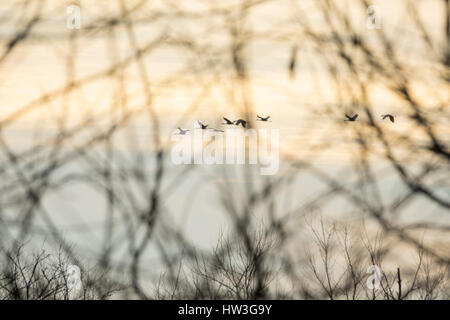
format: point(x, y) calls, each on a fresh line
point(296, 105)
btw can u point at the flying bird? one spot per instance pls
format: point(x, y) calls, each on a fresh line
point(240, 121)
point(351, 118)
point(215, 130)
point(259, 118)
point(390, 116)
point(203, 126)
point(182, 131)
point(227, 121)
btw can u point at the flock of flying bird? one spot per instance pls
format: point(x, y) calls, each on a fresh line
point(264, 119)
point(238, 122)
point(383, 116)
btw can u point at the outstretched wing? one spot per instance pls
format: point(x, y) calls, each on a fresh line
point(243, 122)
point(227, 120)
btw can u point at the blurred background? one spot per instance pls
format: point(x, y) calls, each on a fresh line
point(91, 93)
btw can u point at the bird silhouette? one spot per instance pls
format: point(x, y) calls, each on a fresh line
point(351, 118)
point(182, 131)
point(203, 126)
point(390, 116)
point(240, 121)
point(215, 130)
point(259, 118)
point(227, 121)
